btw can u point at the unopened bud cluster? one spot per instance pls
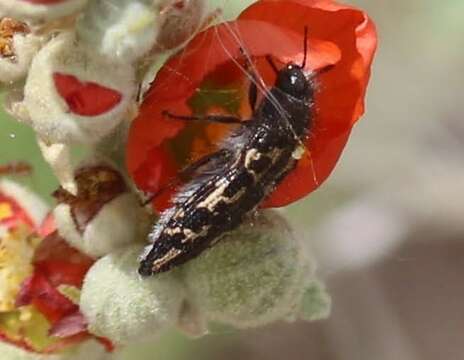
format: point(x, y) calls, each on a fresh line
point(73, 70)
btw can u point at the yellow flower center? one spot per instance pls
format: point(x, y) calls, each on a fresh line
point(6, 211)
point(17, 247)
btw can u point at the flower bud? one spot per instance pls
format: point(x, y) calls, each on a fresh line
point(74, 95)
point(181, 20)
point(316, 302)
point(17, 48)
point(124, 307)
point(40, 10)
point(102, 216)
point(123, 30)
point(253, 276)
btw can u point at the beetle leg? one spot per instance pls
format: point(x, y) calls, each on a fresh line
point(253, 90)
point(252, 95)
point(187, 172)
point(224, 119)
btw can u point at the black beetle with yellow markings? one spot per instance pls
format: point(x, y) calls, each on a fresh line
point(230, 183)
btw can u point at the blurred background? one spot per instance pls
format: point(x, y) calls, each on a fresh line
point(387, 228)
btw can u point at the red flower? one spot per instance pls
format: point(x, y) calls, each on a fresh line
point(40, 281)
point(204, 78)
point(56, 266)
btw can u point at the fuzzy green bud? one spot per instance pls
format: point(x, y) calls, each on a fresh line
point(124, 307)
point(316, 303)
point(253, 276)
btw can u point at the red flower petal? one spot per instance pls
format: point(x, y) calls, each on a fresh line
point(70, 325)
point(48, 226)
point(340, 102)
point(61, 263)
point(85, 98)
point(12, 214)
point(66, 343)
point(55, 264)
point(338, 35)
point(38, 291)
point(71, 330)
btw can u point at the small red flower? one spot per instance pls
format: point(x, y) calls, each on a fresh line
point(40, 279)
point(57, 266)
point(205, 78)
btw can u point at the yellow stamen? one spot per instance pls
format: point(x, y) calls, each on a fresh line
point(6, 211)
point(16, 252)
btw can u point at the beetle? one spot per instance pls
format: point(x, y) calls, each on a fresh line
point(230, 183)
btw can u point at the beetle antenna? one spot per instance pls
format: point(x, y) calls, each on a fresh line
point(321, 71)
point(271, 62)
point(305, 47)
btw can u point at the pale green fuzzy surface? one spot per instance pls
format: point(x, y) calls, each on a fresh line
point(122, 30)
point(316, 303)
point(252, 277)
point(90, 350)
point(122, 306)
